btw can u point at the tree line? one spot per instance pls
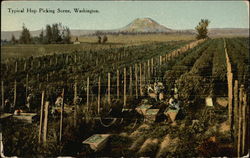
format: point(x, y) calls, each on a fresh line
point(58, 34)
point(53, 34)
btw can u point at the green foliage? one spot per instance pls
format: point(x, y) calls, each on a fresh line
point(219, 69)
point(238, 51)
point(48, 35)
point(25, 37)
point(195, 71)
point(56, 37)
point(219, 62)
point(201, 28)
point(66, 35)
point(41, 37)
point(197, 82)
point(65, 72)
point(13, 39)
point(54, 34)
point(185, 64)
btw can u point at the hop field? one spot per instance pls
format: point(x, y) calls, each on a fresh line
point(102, 85)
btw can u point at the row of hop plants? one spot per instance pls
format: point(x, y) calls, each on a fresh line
point(192, 141)
point(67, 75)
point(85, 65)
point(196, 83)
point(219, 70)
point(185, 64)
point(194, 86)
point(238, 51)
point(196, 79)
point(67, 146)
point(22, 139)
point(102, 55)
point(219, 61)
point(243, 41)
point(71, 143)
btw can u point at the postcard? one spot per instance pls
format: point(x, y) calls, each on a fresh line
point(124, 79)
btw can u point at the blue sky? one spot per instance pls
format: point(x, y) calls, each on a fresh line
point(116, 14)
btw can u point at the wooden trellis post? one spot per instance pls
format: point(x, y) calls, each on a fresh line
point(50, 62)
point(160, 60)
point(45, 122)
point(16, 67)
point(230, 97)
point(99, 95)
point(149, 70)
point(143, 69)
point(244, 122)
point(88, 94)
point(125, 88)
point(230, 86)
point(235, 109)
point(152, 66)
point(2, 90)
point(117, 83)
point(41, 118)
point(140, 79)
point(124, 53)
point(109, 100)
point(27, 85)
point(75, 103)
point(39, 64)
point(96, 62)
point(67, 59)
point(75, 58)
point(38, 77)
point(240, 122)
point(144, 75)
point(7, 66)
point(24, 66)
point(130, 81)
point(61, 118)
point(31, 64)
point(40, 85)
point(15, 86)
point(136, 82)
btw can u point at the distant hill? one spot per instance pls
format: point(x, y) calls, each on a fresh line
point(6, 35)
point(141, 25)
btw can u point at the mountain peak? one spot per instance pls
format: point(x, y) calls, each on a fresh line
point(145, 20)
point(145, 25)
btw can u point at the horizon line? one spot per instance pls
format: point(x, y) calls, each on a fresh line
point(120, 28)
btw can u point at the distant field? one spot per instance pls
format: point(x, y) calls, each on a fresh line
point(138, 39)
point(87, 43)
